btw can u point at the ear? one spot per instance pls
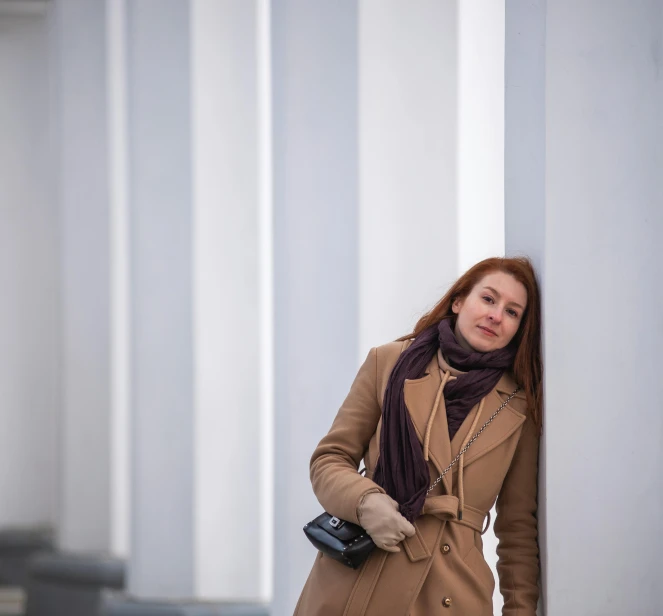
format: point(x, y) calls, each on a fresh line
point(455, 307)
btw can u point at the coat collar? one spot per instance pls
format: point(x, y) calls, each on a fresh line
point(419, 398)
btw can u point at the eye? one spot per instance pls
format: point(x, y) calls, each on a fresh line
point(488, 299)
point(513, 313)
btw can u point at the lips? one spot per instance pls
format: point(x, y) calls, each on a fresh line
point(488, 331)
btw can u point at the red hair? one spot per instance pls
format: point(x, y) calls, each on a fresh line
point(527, 366)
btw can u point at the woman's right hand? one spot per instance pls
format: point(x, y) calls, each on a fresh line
point(380, 517)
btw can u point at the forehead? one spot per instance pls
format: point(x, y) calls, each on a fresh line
point(506, 285)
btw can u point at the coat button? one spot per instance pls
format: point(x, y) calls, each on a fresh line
point(446, 548)
point(446, 601)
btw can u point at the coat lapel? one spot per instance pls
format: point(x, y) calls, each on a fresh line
point(419, 399)
point(501, 428)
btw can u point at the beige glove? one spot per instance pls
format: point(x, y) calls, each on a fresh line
point(379, 516)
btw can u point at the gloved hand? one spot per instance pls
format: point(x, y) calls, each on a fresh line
point(379, 516)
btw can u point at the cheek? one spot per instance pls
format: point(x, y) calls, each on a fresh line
point(473, 311)
point(462, 324)
point(469, 318)
point(513, 330)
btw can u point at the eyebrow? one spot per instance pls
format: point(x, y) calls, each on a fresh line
point(498, 295)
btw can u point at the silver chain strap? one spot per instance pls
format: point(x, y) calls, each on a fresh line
point(474, 438)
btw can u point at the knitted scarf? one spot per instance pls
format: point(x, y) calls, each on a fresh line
point(401, 469)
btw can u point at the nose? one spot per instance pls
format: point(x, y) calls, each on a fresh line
point(495, 316)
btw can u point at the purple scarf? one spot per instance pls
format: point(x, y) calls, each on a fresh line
point(401, 469)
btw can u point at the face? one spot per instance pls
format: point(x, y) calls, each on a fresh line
point(489, 317)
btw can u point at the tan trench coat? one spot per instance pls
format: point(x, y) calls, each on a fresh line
point(441, 570)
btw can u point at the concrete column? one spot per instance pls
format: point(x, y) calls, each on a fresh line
point(314, 64)
point(408, 158)
point(480, 132)
point(162, 354)
point(196, 373)
point(232, 538)
point(29, 275)
point(525, 130)
point(83, 65)
point(583, 134)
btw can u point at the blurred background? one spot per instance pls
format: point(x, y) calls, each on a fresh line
point(210, 210)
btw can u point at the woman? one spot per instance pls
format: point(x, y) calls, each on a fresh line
point(413, 406)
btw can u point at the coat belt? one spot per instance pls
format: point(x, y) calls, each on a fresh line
point(445, 508)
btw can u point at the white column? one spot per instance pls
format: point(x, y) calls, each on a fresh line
point(87, 44)
point(161, 204)
point(30, 343)
point(314, 51)
point(196, 519)
point(480, 137)
point(231, 537)
point(120, 425)
point(84, 109)
point(585, 159)
point(525, 129)
point(408, 113)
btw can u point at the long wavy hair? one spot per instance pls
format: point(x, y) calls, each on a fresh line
point(528, 365)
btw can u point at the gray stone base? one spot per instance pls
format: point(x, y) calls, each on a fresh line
point(17, 547)
point(116, 605)
point(71, 585)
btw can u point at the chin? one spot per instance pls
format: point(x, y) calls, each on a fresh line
point(483, 347)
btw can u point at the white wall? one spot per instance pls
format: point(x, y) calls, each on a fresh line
point(29, 279)
point(604, 267)
point(602, 260)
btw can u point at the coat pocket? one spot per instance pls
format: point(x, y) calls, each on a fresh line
point(481, 570)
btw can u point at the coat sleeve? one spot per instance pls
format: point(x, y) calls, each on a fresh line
point(516, 528)
point(334, 463)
